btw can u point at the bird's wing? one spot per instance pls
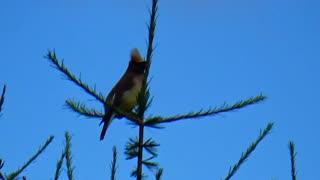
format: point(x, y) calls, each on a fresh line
point(124, 84)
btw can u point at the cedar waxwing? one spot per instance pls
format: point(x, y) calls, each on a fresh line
point(124, 94)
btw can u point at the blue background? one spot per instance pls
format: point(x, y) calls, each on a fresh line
point(208, 52)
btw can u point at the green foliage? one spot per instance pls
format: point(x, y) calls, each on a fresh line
point(159, 174)
point(251, 148)
point(132, 148)
point(81, 109)
point(16, 173)
point(66, 154)
point(150, 146)
point(2, 97)
point(59, 165)
point(293, 160)
point(51, 56)
point(144, 100)
point(1, 166)
point(136, 146)
point(114, 163)
point(157, 120)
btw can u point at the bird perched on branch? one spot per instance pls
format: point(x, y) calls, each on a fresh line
point(124, 94)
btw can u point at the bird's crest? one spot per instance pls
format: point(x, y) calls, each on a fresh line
point(135, 55)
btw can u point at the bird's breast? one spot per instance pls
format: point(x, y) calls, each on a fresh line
point(129, 98)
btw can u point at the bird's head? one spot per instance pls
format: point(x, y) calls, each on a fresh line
point(137, 62)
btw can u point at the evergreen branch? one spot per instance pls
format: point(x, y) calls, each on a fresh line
point(224, 108)
point(159, 174)
point(81, 108)
point(252, 147)
point(132, 154)
point(150, 146)
point(293, 161)
point(59, 166)
point(134, 173)
point(92, 91)
point(153, 122)
point(2, 97)
point(24, 177)
point(144, 100)
point(114, 163)
point(131, 149)
point(1, 166)
point(68, 156)
point(144, 96)
point(13, 175)
point(150, 164)
point(133, 117)
point(152, 27)
point(143, 103)
point(60, 66)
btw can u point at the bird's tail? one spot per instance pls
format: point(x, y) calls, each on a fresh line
point(106, 120)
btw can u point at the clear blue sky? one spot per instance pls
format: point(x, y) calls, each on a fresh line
point(209, 52)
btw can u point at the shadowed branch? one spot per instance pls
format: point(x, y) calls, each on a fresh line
point(2, 97)
point(293, 160)
point(51, 56)
point(59, 165)
point(82, 109)
point(157, 120)
point(68, 156)
point(114, 163)
point(144, 100)
point(159, 174)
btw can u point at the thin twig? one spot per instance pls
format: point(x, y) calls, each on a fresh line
point(83, 110)
point(293, 161)
point(68, 156)
point(155, 121)
point(159, 174)
point(60, 66)
point(2, 97)
point(59, 166)
point(114, 163)
point(245, 155)
point(17, 172)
